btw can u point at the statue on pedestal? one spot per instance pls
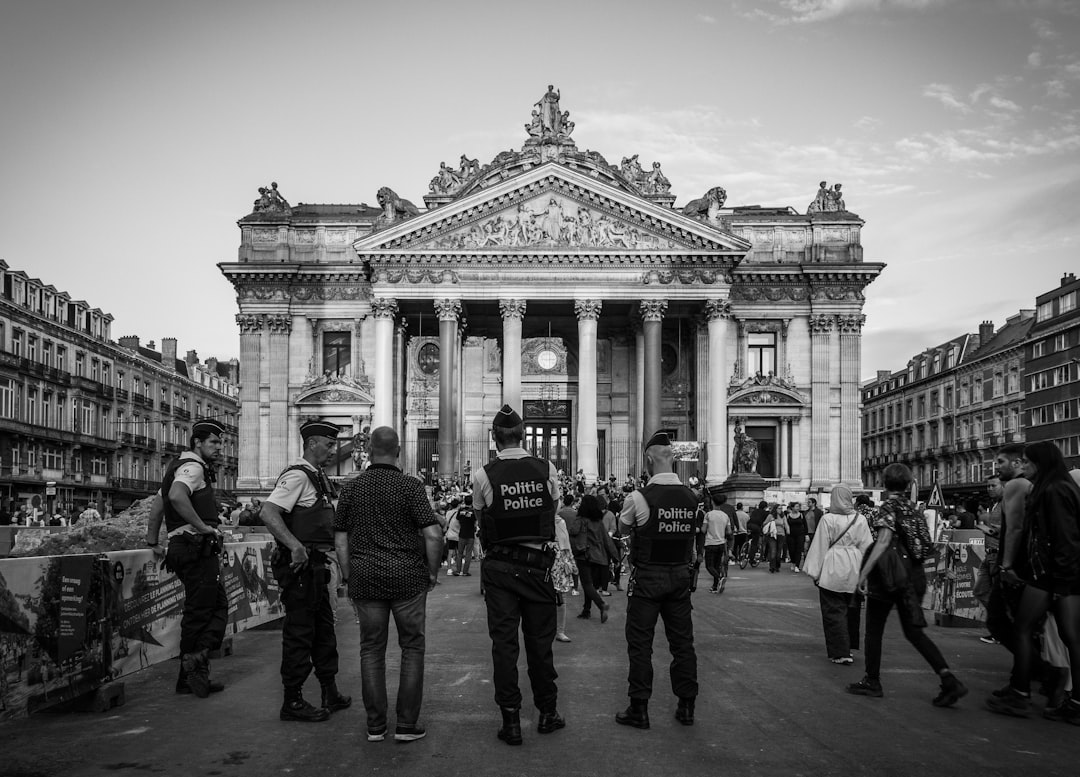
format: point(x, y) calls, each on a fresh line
point(550, 116)
point(270, 200)
point(746, 452)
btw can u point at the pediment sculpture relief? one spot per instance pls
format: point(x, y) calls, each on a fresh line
point(547, 222)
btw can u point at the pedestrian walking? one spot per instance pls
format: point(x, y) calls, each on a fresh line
point(661, 518)
point(717, 533)
point(516, 495)
point(299, 513)
point(599, 551)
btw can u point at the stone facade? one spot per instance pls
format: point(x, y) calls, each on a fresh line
point(571, 288)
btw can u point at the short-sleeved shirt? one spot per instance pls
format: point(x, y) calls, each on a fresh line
point(483, 494)
point(191, 475)
point(294, 488)
point(716, 527)
point(898, 515)
point(384, 512)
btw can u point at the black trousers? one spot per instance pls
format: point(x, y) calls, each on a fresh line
point(908, 604)
point(660, 592)
point(197, 563)
point(840, 626)
point(308, 640)
point(518, 596)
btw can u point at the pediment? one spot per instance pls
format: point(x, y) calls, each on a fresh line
point(551, 208)
point(333, 390)
point(766, 390)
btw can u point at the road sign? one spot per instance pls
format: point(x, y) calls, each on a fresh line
point(50, 488)
point(936, 499)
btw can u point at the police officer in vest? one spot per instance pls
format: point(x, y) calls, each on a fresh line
point(300, 514)
point(515, 497)
point(190, 511)
point(661, 519)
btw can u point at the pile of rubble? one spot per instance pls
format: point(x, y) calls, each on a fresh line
point(124, 531)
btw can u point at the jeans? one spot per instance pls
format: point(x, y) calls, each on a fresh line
point(775, 547)
point(463, 555)
point(654, 592)
point(908, 605)
point(409, 618)
point(518, 596)
point(716, 563)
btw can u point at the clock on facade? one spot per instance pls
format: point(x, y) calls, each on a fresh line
point(547, 359)
point(428, 358)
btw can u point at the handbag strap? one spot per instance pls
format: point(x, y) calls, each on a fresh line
point(845, 531)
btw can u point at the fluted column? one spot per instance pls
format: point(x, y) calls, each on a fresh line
point(782, 468)
point(449, 310)
point(639, 382)
point(796, 447)
point(850, 327)
point(513, 311)
point(821, 331)
point(652, 317)
point(718, 313)
point(384, 311)
point(588, 311)
point(251, 327)
point(279, 327)
point(401, 328)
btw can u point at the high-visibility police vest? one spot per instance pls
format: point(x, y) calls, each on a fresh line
point(202, 500)
point(668, 536)
point(312, 525)
point(521, 508)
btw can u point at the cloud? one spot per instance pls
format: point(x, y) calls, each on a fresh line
point(810, 11)
point(1044, 29)
point(867, 123)
point(701, 17)
point(1056, 88)
point(943, 93)
point(1002, 104)
point(1035, 59)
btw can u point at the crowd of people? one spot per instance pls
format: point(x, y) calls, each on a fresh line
point(541, 538)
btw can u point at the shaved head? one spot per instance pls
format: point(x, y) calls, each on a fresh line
point(384, 443)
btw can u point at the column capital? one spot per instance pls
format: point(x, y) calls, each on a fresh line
point(250, 323)
point(652, 309)
point(512, 308)
point(587, 309)
point(850, 324)
point(821, 324)
point(279, 323)
point(717, 309)
point(384, 307)
point(448, 309)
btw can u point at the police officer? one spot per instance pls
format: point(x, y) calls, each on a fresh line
point(515, 496)
point(661, 518)
point(300, 514)
point(186, 503)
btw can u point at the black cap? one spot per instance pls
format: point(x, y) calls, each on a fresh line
point(506, 418)
point(205, 426)
point(318, 429)
point(660, 438)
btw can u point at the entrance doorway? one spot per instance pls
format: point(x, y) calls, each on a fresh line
point(427, 458)
point(765, 437)
point(550, 441)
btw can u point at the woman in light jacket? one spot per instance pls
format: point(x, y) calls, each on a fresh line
point(775, 530)
point(833, 563)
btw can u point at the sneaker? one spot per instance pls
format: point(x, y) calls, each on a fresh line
point(952, 691)
point(605, 593)
point(723, 584)
point(1013, 703)
point(561, 637)
point(575, 592)
point(843, 660)
point(409, 733)
point(376, 734)
point(867, 687)
point(450, 573)
point(989, 640)
point(1067, 712)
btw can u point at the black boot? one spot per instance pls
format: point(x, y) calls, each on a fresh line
point(296, 708)
point(549, 721)
point(196, 668)
point(510, 733)
point(182, 685)
point(636, 715)
point(685, 711)
point(332, 699)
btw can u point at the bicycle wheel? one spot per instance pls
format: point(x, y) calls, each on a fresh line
point(744, 555)
point(755, 558)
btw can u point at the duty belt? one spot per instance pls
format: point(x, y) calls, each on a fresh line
point(519, 554)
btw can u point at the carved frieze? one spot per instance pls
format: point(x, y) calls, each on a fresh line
point(305, 237)
point(838, 293)
point(336, 237)
point(747, 293)
point(264, 235)
point(414, 275)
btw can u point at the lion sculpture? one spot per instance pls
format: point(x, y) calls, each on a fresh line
point(394, 207)
point(707, 207)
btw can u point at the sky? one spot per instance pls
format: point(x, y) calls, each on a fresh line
point(135, 133)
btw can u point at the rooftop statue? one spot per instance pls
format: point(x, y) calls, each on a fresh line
point(270, 200)
point(655, 182)
point(550, 117)
point(708, 207)
point(447, 181)
point(394, 208)
point(827, 200)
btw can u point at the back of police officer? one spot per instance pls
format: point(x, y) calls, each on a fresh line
point(300, 514)
point(661, 519)
point(515, 497)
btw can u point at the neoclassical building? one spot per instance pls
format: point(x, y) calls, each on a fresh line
point(568, 287)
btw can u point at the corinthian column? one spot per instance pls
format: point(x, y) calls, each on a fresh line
point(280, 327)
point(251, 327)
point(652, 316)
point(384, 311)
point(821, 330)
point(718, 312)
point(588, 311)
point(850, 356)
point(449, 310)
point(513, 311)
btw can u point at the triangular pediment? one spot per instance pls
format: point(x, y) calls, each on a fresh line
point(551, 207)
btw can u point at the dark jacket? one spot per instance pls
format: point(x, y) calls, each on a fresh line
point(1053, 539)
point(601, 548)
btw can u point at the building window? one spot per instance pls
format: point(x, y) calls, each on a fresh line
point(99, 465)
point(922, 406)
point(976, 391)
point(7, 398)
point(17, 342)
point(80, 363)
point(999, 384)
point(908, 409)
point(95, 369)
point(1038, 349)
point(1061, 342)
point(46, 409)
point(1014, 419)
point(761, 353)
point(87, 418)
point(1040, 381)
point(1063, 411)
point(31, 406)
point(31, 348)
point(337, 352)
point(963, 395)
point(1044, 311)
point(51, 458)
point(1040, 415)
point(1067, 302)
point(106, 376)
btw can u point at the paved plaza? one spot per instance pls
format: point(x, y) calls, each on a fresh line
point(770, 704)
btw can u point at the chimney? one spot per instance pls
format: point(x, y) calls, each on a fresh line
point(131, 342)
point(168, 352)
point(211, 366)
point(986, 332)
point(192, 358)
point(1068, 278)
point(150, 345)
point(234, 372)
point(883, 375)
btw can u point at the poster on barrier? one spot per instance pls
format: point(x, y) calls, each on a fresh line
point(69, 623)
point(951, 578)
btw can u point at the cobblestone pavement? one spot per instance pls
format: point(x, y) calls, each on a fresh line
point(770, 704)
